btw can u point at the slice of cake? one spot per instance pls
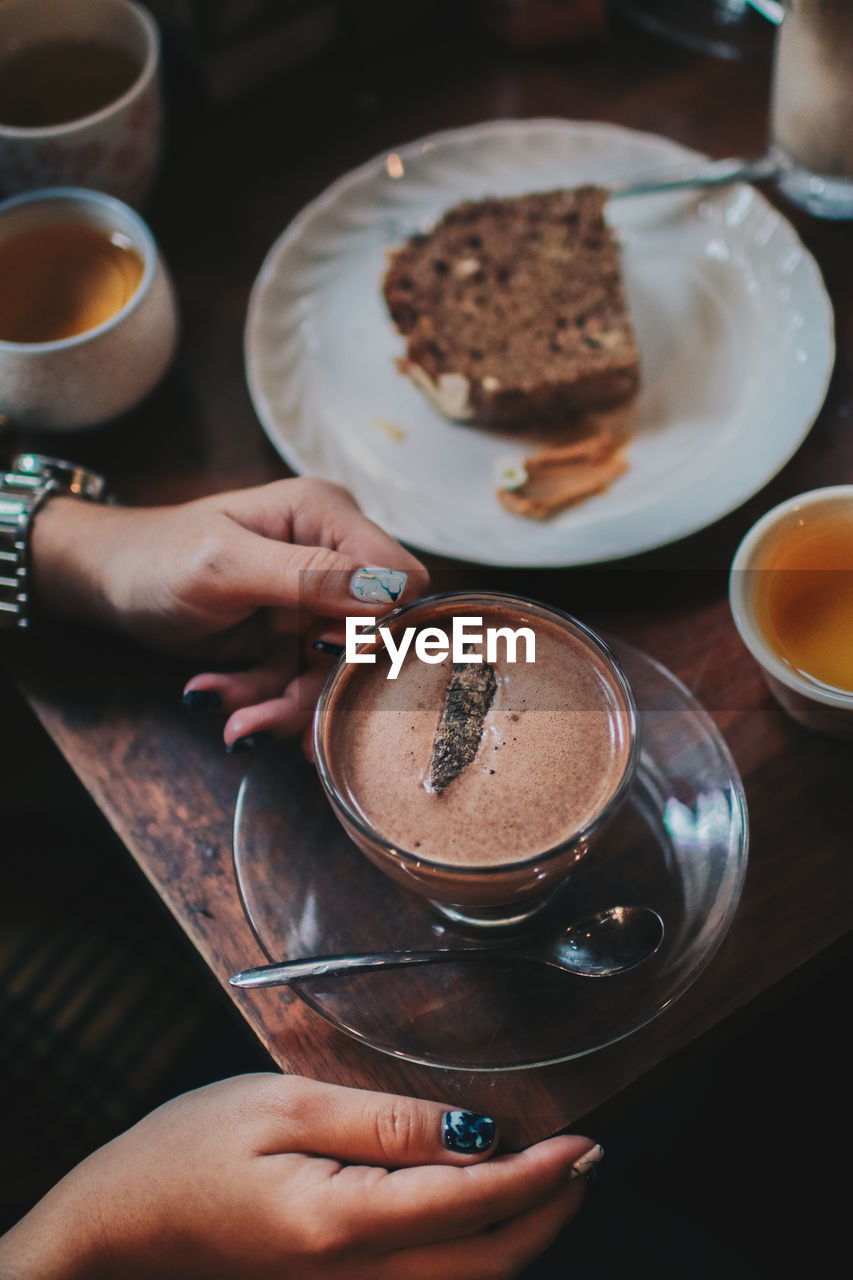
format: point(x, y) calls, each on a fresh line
point(514, 312)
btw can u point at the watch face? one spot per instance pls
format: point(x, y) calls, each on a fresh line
point(68, 476)
point(39, 464)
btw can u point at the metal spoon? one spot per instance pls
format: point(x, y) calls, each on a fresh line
point(597, 947)
point(707, 173)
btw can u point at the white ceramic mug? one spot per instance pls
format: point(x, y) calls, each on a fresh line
point(115, 148)
point(94, 376)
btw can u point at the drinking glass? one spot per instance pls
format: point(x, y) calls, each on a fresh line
point(811, 113)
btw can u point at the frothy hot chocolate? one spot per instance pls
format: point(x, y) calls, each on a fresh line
point(555, 746)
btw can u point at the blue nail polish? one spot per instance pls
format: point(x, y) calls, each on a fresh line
point(467, 1132)
point(377, 586)
point(328, 646)
point(249, 743)
point(202, 700)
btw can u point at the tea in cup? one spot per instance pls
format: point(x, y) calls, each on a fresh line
point(88, 321)
point(80, 96)
point(791, 594)
point(478, 784)
point(62, 279)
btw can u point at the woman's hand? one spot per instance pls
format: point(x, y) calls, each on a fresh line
point(255, 575)
point(277, 1176)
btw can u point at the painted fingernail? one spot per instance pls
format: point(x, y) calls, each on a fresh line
point(467, 1132)
point(328, 646)
point(377, 586)
point(249, 743)
point(584, 1167)
point(202, 700)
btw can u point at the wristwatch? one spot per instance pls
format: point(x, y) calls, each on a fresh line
point(24, 489)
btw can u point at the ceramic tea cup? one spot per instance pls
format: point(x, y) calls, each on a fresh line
point(88, 319)
point(80, 96)
point(791, 597)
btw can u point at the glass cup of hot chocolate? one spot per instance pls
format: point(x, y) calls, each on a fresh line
point(473, 746)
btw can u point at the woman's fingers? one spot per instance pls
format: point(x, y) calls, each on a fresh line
point(442, 1185)
point(273, 697)
point(391, 1131)
point(318, 554)
point(441, 1202)
point(364, 1127)
point(312, 581)
point(316, 513)
point(230, 690)
point(512, 1245)
point(288, 713)
point(520, 1239)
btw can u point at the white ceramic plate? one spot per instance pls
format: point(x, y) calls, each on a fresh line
point(732, 319)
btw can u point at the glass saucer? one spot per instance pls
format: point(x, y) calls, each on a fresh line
point(679, 845)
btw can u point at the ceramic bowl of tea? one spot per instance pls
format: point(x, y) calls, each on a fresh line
point(80, 96)
point(791, 596)
point(88, 320)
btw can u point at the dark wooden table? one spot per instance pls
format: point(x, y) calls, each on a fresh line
point(234, 176)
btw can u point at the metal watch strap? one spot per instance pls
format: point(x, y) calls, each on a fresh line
point(32, 479)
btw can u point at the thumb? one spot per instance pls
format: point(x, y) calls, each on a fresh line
point(380, 1129)
point(318, 580)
